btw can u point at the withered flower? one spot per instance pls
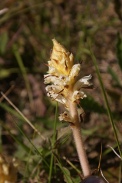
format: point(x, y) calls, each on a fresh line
point(8, 171)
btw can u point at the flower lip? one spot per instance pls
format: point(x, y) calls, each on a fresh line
point(78, 95)
point(83, 83)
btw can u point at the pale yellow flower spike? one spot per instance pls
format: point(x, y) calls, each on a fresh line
point(63, 77)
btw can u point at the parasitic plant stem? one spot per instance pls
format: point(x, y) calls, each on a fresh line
point(76, 130)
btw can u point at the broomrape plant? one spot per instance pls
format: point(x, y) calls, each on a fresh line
point(65, 85)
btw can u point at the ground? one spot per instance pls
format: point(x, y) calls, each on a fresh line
point(26, 32)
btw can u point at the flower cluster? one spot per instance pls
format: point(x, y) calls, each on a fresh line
point(63, 82)
point(8, 171)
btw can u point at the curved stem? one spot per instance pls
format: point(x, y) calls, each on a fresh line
point(76, 130)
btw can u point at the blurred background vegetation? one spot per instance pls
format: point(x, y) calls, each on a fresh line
point(26, 30)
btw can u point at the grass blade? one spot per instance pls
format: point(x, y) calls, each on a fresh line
point(106, 101)
point(23, 71)
point(53, 143)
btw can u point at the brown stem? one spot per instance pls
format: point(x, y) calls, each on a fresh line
point(76, 130)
